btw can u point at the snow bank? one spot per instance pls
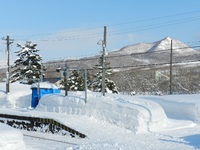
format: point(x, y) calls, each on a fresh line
point(185, 107)
point(11, 138)
point(3, 99)
point(19, 95)
point(138, 115)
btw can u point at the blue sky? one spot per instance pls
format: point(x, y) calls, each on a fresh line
point(71, 28)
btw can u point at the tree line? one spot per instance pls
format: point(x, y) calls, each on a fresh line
point(28, 69)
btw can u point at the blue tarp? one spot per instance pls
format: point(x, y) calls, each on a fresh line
point(42, 91)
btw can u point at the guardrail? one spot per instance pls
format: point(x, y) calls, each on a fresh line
point(39, 124)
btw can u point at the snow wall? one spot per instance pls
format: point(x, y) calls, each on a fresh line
point(138, 115)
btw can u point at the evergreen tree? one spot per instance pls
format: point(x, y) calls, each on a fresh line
point(110, 86)
point(27, 65)
point(76, 81)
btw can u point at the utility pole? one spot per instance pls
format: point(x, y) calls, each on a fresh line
point(85, 84)
point(105, 34)
point(103, 61)
point(65, 79)
point(8, 65)
point(8, 42)
point(171, 69)
point(65, 74)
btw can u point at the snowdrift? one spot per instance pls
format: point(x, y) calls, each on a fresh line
point(11, 138)
point(18, 97)
point(185, 107)
point(137, 115)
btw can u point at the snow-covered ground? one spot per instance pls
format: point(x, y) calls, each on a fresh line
point(11, 138)
point(115, 121)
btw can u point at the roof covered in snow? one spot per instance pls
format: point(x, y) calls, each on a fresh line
point(44, 85)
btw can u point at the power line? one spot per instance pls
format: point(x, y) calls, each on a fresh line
point(86, 57)
point(123, 31)
point(152, 26)
point(156, 18)
point(129, 55)
point(142, 66)
point(95, 34)
point(192, 43)
point(74, 30)
point(164, 22)
point(94, 56)
point(156, 64)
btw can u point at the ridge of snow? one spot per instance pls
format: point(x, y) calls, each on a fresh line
point(138, 115)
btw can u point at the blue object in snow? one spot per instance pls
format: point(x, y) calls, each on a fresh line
point(44, 88)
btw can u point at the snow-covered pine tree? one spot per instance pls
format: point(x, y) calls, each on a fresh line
point(27, 67)
point(110, 86)
point(76, 81)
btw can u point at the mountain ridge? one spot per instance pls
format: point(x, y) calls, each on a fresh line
point(163, 44)
point(140, 54)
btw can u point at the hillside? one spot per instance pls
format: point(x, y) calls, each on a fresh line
point(133, 55)
point(140, 54)
point(153, 53)
point(136, 67)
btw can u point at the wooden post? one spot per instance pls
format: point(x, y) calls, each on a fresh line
point(171, 70)
point(85, 76)
point(8, 65)
point(103, 62)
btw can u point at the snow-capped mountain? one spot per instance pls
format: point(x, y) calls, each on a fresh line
point(164, 44)
point(177, 46)
point(153, 53)
point(136, 48)
point(141, 54)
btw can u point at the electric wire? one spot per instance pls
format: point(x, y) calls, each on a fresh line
point(139, 66)
point(86, 35)
point(152, 26)
point(121, 31)
point(157, 18)
point(74, 58)
point(133, 54)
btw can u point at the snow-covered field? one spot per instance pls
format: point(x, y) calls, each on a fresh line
point(115, 121)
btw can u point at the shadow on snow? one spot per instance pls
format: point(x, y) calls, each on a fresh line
point(193, 140)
